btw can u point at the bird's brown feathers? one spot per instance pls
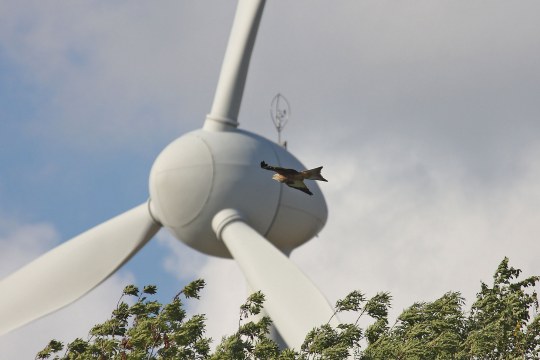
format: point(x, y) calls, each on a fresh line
point(294, 178)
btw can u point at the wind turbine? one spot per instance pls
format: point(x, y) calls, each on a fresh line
point(207, 188)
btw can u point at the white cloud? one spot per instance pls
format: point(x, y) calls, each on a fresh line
point(418, 228)
point(21, 243)
point(181, 261)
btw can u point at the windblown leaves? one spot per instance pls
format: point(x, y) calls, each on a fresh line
point(503, 323)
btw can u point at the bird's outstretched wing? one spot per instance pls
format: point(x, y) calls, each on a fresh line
point(299, 185)
point(279, 170)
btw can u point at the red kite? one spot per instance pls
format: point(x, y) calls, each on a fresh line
point(293, 178)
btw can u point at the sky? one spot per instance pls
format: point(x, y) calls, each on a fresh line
point(424, 114)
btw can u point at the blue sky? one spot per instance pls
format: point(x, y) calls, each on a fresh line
point(424, 115)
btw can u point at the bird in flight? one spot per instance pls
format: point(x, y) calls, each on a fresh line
point(293, 178)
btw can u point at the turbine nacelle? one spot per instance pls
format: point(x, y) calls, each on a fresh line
point(203, 172)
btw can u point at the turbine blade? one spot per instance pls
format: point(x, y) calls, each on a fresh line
point(69, 271)
point(232, 78)
point(293, 302)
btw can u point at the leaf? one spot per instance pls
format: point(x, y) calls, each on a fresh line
point(377, 306)
point(131, 290)
point(192, 289)
point(253, 305)
point(351, 302)
point(150, 289)
point(52, 347)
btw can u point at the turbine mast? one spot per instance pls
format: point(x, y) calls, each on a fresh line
point(230, 87)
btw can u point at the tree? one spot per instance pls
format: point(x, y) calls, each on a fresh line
point(503, 323)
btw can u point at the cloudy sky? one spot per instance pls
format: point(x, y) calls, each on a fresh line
point(425, 115)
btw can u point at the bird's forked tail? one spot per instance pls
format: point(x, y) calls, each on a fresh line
point(314, 174)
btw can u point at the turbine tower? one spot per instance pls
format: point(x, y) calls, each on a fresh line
point(207, 188)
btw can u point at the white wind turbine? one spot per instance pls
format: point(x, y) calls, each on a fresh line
point(207, 188)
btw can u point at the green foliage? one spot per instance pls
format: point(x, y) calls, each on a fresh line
point(423, 331)
point(500, 319)
point(54, 346)
point(144, 330)
point(503, 323)
point(192, 289)
point(250, 341)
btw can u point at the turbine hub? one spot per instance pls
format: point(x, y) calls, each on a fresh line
point(204, 172)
